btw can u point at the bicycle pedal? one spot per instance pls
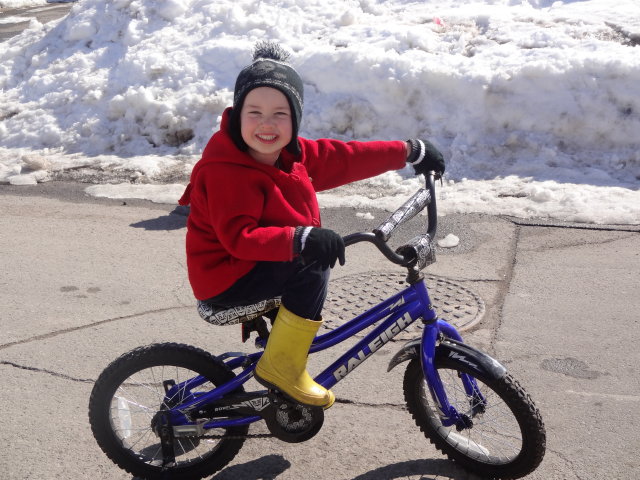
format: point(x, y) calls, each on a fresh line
point(194, 430)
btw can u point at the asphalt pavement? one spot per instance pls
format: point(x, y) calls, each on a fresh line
point(84, 280)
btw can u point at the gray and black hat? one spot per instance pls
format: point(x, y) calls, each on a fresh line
point(268, 69)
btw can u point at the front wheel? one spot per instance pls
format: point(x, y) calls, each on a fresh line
point(126, 399)
point(503, 437)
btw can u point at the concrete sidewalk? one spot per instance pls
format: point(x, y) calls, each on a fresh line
point(84, 280)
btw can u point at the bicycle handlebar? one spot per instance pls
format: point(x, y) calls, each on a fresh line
point(419, 248)
point(406, 212)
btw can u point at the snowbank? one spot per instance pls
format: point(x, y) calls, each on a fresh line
point(539, 97)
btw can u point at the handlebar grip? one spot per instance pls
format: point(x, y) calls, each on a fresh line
point(407, 211)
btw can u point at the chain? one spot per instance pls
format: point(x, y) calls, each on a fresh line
point(234, 437)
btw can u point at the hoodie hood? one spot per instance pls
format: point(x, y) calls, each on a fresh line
point(222, 149)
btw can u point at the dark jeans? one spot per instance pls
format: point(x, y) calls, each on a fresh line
point(303, 288)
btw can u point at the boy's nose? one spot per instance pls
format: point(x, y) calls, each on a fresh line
point(268, 120)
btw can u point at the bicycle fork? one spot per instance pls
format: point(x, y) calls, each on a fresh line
point(433, 329)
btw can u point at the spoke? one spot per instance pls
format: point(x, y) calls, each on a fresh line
point(131, 429)
point(128, 395)
point(143, 437)
point(157, 456)
point(507, 446)
point(479, 445)
point(195, 449)
point(155, 382)
point(142, 408)
point(182, 391)
point(183, 450)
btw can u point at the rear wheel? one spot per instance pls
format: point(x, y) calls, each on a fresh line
point(502, 438)
point(126, 401)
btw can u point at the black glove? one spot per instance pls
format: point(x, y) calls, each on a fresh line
point(424, 157)
point(319, 244)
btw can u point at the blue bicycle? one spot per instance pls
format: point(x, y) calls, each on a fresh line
point(175, 411)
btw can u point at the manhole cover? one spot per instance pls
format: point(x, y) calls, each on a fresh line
point(353, 294)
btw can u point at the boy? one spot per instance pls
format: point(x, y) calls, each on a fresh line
point(254, 230)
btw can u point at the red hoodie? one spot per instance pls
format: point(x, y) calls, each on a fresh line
point(243, 211)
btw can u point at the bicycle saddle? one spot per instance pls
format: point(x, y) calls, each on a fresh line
point(235, 315)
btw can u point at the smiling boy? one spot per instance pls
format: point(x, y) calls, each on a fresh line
point(254, 229)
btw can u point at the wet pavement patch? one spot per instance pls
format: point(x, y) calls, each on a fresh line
point(571, 367)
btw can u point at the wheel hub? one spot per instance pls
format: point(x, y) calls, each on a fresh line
point(464, 422)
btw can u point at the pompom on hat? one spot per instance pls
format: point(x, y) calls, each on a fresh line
point(268, 69)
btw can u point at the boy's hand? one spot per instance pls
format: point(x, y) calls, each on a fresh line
point(321, 244)
point(424, 157)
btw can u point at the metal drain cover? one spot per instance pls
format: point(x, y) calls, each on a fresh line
point(351, 295)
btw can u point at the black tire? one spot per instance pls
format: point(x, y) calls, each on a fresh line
point(507, 438)
point(130, 392)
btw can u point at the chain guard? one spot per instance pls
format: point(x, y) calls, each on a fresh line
point(286, 419)
point(293, 422)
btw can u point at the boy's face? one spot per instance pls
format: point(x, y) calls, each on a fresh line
point(266, 124)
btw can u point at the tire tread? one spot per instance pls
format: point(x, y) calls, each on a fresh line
point(523, 408)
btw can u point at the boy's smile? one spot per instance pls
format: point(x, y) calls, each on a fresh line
point(266, 124)
point(267, 138)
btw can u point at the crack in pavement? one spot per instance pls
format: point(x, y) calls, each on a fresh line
point(594, 227)
point(344, 401)
point(583, 243)
point(56, 333)
point(570, 463)
point(503, 290)
point(48, 372)
point(394, 406)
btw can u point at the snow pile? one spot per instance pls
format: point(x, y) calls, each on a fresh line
point(535, 104)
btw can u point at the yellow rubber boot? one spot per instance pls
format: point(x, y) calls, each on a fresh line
point(284, 362)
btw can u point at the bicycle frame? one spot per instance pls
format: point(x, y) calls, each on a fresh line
point(394, 314)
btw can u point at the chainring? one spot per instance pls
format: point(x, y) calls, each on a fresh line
point(293, 422)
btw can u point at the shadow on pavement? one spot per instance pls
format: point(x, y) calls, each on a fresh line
point(175, 220)
point(265, 468)
point(430, 469)
point(268, 467)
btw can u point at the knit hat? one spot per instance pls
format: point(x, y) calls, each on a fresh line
point(268, 69)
